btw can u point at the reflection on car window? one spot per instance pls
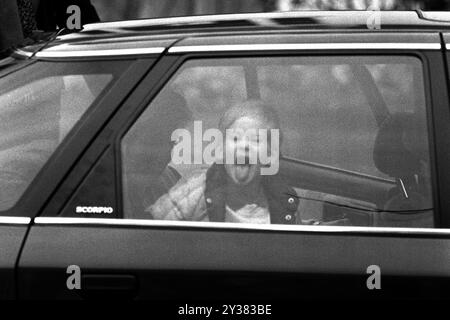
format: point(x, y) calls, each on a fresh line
point(286, 140)
point(39, 105)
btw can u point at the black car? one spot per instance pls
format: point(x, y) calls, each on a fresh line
point(107, 189)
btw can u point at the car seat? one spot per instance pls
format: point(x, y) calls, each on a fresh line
point(399, 151)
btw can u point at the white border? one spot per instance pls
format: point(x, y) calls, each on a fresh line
point(305, 46)
point(236, 226)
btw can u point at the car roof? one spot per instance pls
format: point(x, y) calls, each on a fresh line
point(155, 35)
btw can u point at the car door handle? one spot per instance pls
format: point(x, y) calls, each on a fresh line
point(98, 286)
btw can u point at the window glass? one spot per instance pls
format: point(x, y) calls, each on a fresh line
point(39, 105)
point(284, 140)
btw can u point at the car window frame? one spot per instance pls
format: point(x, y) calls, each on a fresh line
point(180, 58)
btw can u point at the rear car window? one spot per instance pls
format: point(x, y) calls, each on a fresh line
point(351, 133)
point(39, 105)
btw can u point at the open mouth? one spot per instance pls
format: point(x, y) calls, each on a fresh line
point(243, 169)
point(242, 161)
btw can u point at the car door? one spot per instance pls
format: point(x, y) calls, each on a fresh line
point(37, 112)
point(122, 247)
point(44, 104)
point(13, 225)
point(12, 234)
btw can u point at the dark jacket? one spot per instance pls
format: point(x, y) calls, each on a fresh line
point(202, 198)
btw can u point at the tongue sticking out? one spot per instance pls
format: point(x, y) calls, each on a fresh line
point(242, 172)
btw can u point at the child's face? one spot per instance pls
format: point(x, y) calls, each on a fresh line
point(245, 148)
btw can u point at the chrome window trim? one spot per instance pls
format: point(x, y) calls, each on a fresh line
point(232, 48)
point(305, 46)
point(23, 53)
point(93, 53)
point(99, 53)
point(15, 220)
point(235, 226)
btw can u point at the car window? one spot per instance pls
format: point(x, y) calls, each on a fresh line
point(284, 140)
point(39, 105)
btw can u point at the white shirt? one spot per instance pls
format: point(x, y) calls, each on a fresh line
point(251, 213)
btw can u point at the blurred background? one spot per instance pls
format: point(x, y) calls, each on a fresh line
point(118, 9)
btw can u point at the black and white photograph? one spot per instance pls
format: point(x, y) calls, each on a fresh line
point(223, 156)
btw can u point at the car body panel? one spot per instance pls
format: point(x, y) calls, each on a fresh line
point(12, 235)
point(438, 118)
point(242, 255)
